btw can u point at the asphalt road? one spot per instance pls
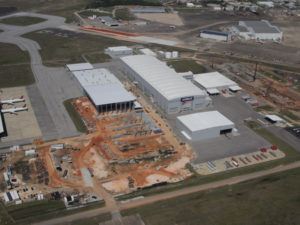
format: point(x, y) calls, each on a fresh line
point(54, 87)
point(172, 194)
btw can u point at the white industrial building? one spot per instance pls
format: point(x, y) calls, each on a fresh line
point(215, 35)
point(171, 92)
point(105, 90)
point(258, 30)
point(203, 125)
point(214, 82)
point(79, 66)
point(119, 51)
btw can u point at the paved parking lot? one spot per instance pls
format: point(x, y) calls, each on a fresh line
point(235, 109)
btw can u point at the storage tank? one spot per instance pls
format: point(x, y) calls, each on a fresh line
point(175, 54)
point(168, 55)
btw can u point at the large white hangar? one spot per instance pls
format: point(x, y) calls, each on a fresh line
point(105, 90)
point(214, 82)
point(203, 125)
point(172, 93)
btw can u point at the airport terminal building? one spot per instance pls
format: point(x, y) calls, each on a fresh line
point(172, 93)
point(105, 90)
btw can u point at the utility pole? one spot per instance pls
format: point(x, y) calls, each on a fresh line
point(255, 71)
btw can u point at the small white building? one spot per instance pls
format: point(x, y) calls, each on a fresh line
point(268, 4)
point(214, 82)
point(215, 7)
point(215, 35)
point(79, 66)
point(119, 51)
point(203, 125)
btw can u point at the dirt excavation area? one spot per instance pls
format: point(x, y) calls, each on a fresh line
point(123, 151)
point(166, 18)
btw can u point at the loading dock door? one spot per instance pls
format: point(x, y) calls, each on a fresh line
point(226, 131)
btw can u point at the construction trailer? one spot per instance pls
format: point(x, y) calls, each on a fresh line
point(105, 90)
point(171, 92)
point(204, 125)
point(3, 131)
point(119, 51)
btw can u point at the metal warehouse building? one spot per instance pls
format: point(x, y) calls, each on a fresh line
point(204, 125)
point(105, 90)
point(215, 35)
point(172, 93)
point(258, 30)
point(214, 82)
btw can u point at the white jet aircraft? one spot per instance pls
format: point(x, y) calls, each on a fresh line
point(12, 101)
point(14, 110)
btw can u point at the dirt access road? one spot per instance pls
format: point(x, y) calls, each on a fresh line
point(172, 194)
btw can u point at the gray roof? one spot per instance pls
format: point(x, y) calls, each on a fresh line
point(262, 26)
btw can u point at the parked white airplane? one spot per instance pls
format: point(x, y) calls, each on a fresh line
point(14, 110)
point(12, 101)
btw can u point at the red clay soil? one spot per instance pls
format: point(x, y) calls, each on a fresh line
point(108, 31)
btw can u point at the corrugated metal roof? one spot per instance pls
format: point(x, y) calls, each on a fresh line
point(262, 26)
point(213, 80)
point(204, 120)
point(103, 87)
point(161, 77)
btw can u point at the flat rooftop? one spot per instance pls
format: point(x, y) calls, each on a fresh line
point(262, 26)
point(103, 87)
point(79, 66)
point(119, 48)
point(213, 80)
point(204, 120)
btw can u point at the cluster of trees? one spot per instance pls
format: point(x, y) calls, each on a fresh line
point(110, 3)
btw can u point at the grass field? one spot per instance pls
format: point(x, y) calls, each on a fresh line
point(97, 57)
point(90, 221)
point(22, 20)
point(30, 212)
point(64, 8)
point(270, 200)
point(124, 14)
point(57, 50)
point(15, 69)
point(79, 124)
point(186, 65)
